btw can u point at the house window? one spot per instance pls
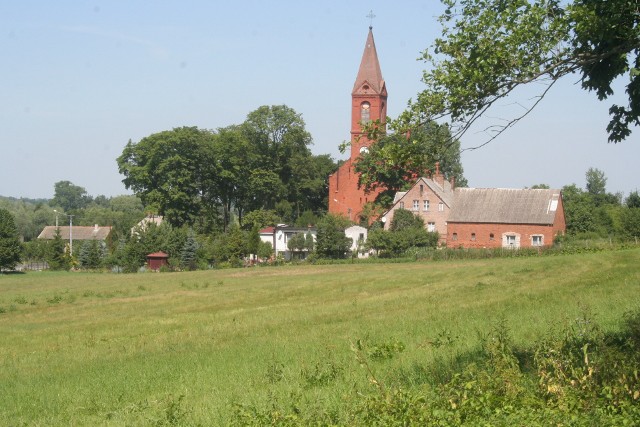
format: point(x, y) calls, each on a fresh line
point(361, 237)
point(365, 112)
point(421, 189)
point(431, 226)
point(536, 240)
point(425, 205)
point(454, 236)
point(473, 237)
point(416, 205)
point(511, 239)
point(441, 207)
point(401, 205)
point(492, 237)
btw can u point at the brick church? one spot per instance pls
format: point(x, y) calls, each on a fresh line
point(368, 103)
point(463, 217)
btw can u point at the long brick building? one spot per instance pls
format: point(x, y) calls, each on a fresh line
point(483, 217)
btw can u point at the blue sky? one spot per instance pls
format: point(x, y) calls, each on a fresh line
point(81, 78)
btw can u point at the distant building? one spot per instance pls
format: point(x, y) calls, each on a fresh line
point(483, 217)
point(280, 235)
point(358, 236)
point(78, 232)
point(146, 221)
point(157, 260)
point(368, 104)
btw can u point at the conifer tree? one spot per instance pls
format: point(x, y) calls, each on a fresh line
point(9, 243)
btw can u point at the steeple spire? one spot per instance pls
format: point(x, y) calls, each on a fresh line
point(369, 75)
point(371, 16)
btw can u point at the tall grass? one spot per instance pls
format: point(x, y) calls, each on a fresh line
point(207, 347)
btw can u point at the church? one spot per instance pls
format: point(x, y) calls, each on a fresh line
point(368, 103)
point(463, 217)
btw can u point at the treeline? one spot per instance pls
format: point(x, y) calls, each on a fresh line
point(206, 179)
point(595, 213)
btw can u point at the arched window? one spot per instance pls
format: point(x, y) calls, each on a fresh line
point(365, 112)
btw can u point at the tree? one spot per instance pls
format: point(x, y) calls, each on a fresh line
point(394, 162)
point(633, 201)
point(630, 222)
point(405, 231)
point(57, 256)
point(297, 243)
point(173, 171)
point(596, 182)
point(277, 132)
point(69, 197)
point(91, 254)
point(189, 253)
point(230, 246)
point(578, 209)
point(265, 250)
point(260, 219)
point(331, 241)
point(404, 219)
point(309, 243)
point(253, 241)
point(9, 243)
point(236, 158)
point(288, 172)
point(489, 48)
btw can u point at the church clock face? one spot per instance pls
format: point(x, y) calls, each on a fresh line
point(364, 150)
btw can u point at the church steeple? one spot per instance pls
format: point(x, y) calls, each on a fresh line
point(368, 103)
point(368, 98)
point(369, 78)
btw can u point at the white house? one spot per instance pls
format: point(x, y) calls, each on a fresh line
point(358, 236)
point(280, 235)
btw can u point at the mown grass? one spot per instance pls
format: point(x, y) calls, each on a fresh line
point(192, 348)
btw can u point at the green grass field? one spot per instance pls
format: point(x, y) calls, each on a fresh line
point(191, 348)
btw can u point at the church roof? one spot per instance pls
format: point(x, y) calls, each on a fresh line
point(369, 72)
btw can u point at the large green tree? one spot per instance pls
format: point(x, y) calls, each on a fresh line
point(9, 243)
point(69, 197)
point(394, 162)
point(174, 171)
point(331, 241)
point(405, 231)
point(283, 167)
point(489, 48)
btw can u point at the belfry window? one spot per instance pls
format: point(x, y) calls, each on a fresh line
point(365, 112)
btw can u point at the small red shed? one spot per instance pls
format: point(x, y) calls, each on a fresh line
point(157, 260)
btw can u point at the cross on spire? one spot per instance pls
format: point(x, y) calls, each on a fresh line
point(371, 16)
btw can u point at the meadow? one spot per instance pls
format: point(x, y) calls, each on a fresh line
point(281, 345)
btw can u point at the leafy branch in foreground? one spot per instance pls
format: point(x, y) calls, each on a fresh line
point(490, 48)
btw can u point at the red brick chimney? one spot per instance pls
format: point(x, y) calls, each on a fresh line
point(438, 177)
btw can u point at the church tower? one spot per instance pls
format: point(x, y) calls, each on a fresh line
point(368, 103)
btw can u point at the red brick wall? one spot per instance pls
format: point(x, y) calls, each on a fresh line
point(483, 231)
point(378, 112)
point(345, 198)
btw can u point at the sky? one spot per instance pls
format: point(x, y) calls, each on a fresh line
point(82, 78)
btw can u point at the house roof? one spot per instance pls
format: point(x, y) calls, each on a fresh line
point(505, 205)
point(158, 255)
point(444, 192)
point(267, 230)
point(79, 232)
